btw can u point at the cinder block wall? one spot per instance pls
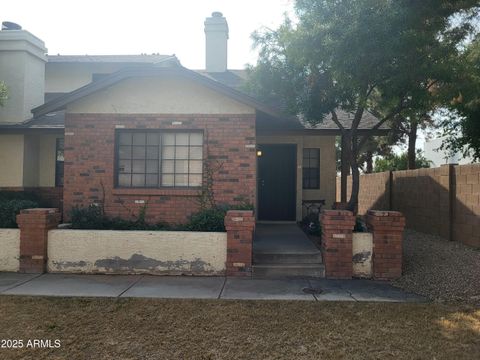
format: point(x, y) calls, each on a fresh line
point(374, 192)
point(442, 201)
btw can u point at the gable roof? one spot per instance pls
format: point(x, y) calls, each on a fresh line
point(142, 58)
point(169, 65)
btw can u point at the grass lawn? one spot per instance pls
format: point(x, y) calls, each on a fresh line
point(174, 329)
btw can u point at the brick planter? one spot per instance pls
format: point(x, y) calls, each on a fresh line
point(337, 228)
point(387, 228)
point(240, 226)
point(34, 225)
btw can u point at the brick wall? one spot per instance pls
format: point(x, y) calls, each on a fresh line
point(442, 201)
point(89, 163)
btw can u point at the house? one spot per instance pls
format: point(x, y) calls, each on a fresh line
point(126, 131)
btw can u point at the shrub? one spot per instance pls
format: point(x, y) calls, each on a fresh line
point(92, 218)
point(210, 220)
point(311, 224)
point(360, 225)
point(19, 195)
point(9, 209)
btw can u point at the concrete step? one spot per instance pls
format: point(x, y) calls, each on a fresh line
point(288, 270)
point(287, 258)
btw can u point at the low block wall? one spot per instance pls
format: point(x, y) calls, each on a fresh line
point(9, 249)
point(128, 252)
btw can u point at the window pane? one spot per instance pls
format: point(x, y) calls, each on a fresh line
point(152, 180)
point(139, 138)
point(138, 180)
point(181, 139)
point(152, 167)
point(138, 166)
point(124, 180)
point(167, 180)
point(195, 180)
point(125, 139)
point(181, 152)
point(181, 180)
point(167, 166)
point(124, 152)
point(169, 139)
point(168, 152)
point(196, 139)
point(125, 166)
point(195, 167)
point(196, 152)
point(152, 138)
point(181, 167)
point(152, 152)
point(139, 152)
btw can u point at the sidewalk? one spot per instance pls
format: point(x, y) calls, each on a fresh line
point(187, 287)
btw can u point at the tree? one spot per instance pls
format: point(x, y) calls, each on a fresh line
point(462, 126)
point(3, 93)
point(395, 162)
point(378, 56)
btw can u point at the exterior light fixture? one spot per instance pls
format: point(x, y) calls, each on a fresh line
point(259, 153)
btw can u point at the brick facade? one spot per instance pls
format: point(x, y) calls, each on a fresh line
point(229, 141)
point(337, 227)
point(34, 225)
point(240, 226)
point(387, 228)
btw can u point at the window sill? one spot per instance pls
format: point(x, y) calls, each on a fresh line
point(152, 192)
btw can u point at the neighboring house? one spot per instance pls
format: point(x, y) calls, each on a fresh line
point(127, 130)
point(439, 157)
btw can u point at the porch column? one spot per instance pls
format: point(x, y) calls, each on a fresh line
point(34, 225)
point(387, 228)
point(337, 234)
point(240, 227)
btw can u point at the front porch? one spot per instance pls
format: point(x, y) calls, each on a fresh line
point(283, 250)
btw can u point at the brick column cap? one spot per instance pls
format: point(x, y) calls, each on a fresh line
point(383, 213)
point(337, 213)
point(39, 211)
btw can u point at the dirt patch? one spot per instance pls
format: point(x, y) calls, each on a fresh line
point(439, 269)
point(195, 329)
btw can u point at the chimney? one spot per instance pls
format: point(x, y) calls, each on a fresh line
point(216, 34)
point(22, 69)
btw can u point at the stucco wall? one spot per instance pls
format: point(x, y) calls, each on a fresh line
point(326, 144)
point(9, 249)
point(158, 252)
point(11, 160)
point(66, 77)
point(46, 159)
point(158, 95)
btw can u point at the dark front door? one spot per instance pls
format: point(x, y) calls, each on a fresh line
point(276, 182)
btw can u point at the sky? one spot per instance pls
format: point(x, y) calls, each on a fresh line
point(144, 26)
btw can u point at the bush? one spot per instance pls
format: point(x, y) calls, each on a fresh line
point(311, 224)
point(9, 209)
point(207, 220)
point(18, 195)
point(360, 225)
point(92, 218)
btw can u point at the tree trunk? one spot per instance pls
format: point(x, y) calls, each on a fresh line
point(412, 151)
point(345, 166)
point(353, 202)
point(369, 160)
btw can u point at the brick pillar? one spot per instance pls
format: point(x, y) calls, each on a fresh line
point(337, 233)
point(34, 225)
point(240, 226)
point(387, 228)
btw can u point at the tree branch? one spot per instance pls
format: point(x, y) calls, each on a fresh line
point(336, 121)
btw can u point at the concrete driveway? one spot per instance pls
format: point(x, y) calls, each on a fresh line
point(189, 287)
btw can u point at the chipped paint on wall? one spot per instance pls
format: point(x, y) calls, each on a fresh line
point(9, 249)
point(137, 252)
point(362, 249)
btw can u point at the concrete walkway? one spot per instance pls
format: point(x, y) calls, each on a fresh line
point(282, 239)
point(183, 287)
